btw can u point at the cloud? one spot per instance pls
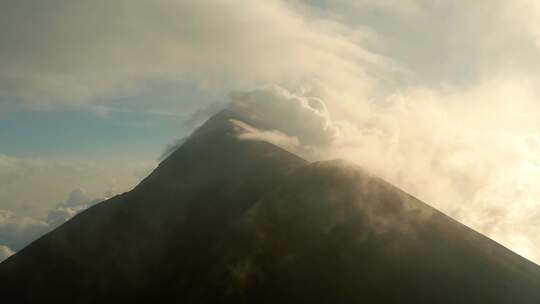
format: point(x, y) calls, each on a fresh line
point(78, 201)
point(5, 252)
point(274, 108)
point(297, 122)
point(472, 153)
point(31, 189)
point(202, 114)
point(60, 215)
point(17, 231)
point(110, 48)
point(170, 148)
point(32, 186)
point(278, 138)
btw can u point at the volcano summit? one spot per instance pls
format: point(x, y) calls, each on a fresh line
point(225, 219)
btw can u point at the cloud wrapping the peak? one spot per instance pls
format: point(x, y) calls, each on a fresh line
point(273, 108)
point(471, 152)
point(277, 138)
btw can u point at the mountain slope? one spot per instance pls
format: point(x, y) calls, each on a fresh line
point(226, 220)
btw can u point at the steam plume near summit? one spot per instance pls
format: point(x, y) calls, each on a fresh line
point(437, 97)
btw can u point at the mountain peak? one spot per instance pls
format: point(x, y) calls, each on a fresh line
point(225, 219)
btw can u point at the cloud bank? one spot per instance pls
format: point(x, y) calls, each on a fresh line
point(17, 231)
point(31, 189)
point(32, 186)
point(76, 53)
point(78, 201)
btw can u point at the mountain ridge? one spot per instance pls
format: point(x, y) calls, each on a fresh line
point(227, 220)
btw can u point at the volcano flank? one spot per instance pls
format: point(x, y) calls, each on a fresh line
point(224, 219)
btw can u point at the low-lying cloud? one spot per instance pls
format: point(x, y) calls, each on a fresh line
point(33, 194)
point(5, 252)
point(77, 201)
point(17, 231)
point(33, 186)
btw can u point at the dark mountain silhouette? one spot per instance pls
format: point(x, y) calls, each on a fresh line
point(226, 220)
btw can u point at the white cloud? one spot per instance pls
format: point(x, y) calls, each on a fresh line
point(277, 138)
point(61, 215)
point(30, 190)
point(523, 15)
point(31, 186)
point(274, 108)
point(77, 202)
point(472, 153)
point(17, 231)
point(111, 47)
point(170, 148)
point(5, 252)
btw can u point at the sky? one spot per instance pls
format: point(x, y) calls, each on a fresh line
point(439, 97)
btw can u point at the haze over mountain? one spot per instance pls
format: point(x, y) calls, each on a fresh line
point(230, 218)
